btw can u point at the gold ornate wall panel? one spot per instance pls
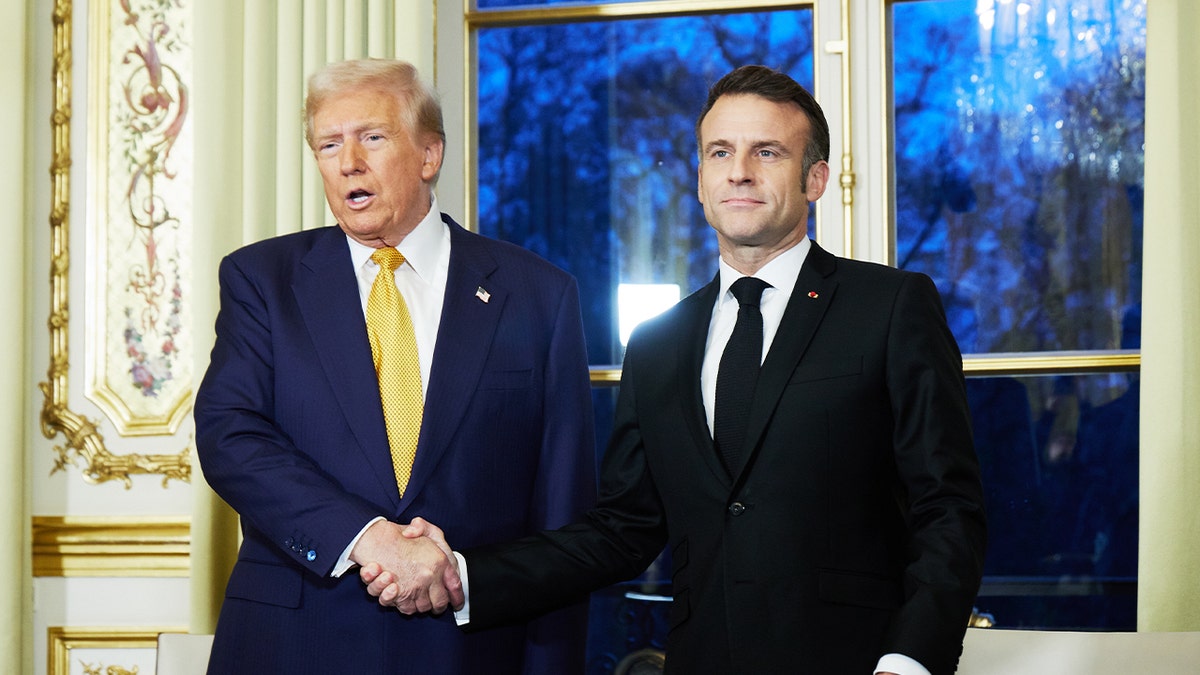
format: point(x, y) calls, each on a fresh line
point(111, 547)
point(140, 167)
point(136, 322)
point(103, 651)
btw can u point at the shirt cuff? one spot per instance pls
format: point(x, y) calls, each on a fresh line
point(463, 616)
point(343, 562)
point(900, 664)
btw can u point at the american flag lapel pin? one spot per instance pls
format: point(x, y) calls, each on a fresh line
point(482, 294)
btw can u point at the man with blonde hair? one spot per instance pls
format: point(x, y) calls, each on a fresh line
point(393, 366)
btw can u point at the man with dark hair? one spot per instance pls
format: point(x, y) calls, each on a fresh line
point(796, 433)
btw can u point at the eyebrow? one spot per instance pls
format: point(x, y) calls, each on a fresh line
point(755, 145)
point(358, 130)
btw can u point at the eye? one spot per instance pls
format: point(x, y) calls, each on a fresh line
point(766, 153)
point(720, 154)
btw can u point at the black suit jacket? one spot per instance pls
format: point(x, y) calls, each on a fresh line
point(855, 527)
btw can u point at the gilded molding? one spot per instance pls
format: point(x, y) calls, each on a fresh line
point(82, 439)
point(605, 376)
point(567, 13)
point(62, 639)
point(1052, 363)
point(992, 365)
point(847, 178)
point(111, 547)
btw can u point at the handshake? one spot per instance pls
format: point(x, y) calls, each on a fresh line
point(409, 567)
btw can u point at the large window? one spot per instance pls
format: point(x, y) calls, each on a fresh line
point(1018, 164)
point(587, 153)
point(1013, 178)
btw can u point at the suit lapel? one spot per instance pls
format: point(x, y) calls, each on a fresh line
point(326, 291)
point(694, 334)
point(813, 292)
point(464, 339)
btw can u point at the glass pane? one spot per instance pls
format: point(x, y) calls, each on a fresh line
point(508, 4)
point(1019, 166)
point(587, 150)
point(1059, 456)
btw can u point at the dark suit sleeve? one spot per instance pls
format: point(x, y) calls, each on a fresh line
point(566, 482)
point(245, 456)
point(939, 474)
point(617, 540)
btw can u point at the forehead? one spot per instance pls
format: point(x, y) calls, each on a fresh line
point(743, 116)
point(355, 109)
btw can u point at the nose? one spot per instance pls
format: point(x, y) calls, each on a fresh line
point(740, 170)
point(351, 158)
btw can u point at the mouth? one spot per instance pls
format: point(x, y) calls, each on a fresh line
point(741, 201)
point(358, 198)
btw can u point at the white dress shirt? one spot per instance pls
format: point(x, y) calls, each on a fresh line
point(421, 281)
point(781, 274)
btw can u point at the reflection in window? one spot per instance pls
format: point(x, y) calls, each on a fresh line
point(1059, 456)
point(1019, 130)
point(587, 151)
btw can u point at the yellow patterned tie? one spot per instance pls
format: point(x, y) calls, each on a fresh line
point(394, 348)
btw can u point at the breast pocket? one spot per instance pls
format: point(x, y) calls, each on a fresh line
point(826, 370)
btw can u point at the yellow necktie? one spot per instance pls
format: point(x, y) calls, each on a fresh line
point(394, 348)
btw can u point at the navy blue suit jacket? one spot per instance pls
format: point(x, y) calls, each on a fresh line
point(290, 433)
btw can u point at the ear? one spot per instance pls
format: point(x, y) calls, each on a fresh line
point(700, 180)
point(817, 180)
point(431, 157)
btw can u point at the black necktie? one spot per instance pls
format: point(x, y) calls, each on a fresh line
point(738, 373)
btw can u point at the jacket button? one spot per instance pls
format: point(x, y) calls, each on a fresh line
point(737, 509)
point(312, 555)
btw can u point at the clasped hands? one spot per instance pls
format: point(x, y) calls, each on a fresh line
point(409, 567)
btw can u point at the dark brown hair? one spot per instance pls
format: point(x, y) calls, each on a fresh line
point(774, 86)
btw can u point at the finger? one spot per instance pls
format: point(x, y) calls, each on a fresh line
point(389, 595)
point(408, 604)
point(438, 598)
point(369, 572)
point(454, 591)
point(416, 528)
point(381, 583)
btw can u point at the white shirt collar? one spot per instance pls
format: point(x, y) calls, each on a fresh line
point(422, 248)
point(781, 272)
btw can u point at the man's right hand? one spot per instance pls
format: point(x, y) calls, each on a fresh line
point(420, 575)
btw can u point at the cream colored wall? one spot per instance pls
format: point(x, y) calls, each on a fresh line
point(1169, 540)
point(16, 81)
point(251, 80)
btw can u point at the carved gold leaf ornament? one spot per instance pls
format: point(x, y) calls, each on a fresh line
point(62, 640)
point(101, 669)
point(82, 441)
